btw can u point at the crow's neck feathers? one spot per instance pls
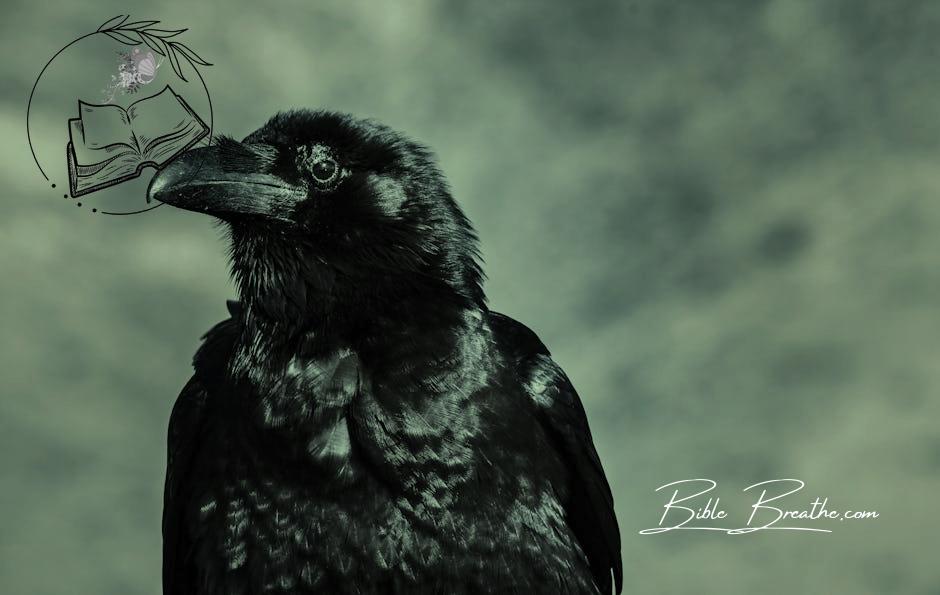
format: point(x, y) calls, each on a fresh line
point(289, 289)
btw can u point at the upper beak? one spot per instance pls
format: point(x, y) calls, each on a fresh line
point(203, 180)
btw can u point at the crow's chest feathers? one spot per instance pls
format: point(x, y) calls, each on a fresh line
point(412, 420)
point(302, 404)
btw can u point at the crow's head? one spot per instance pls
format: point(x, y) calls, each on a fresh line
point(331, 214)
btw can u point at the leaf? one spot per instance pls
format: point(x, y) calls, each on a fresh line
point(118, 36)
point(190, 60)
point(113, 22)
point(152, 43)
point(155, 39)
point(138, 25)
point(165, 33)
point(175, 62)
point(190, 55)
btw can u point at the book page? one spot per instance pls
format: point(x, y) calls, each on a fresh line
point(91, 168)
point(86, 156)
point(105, 125)
point(163, 149)
point(119, 167)
point(159, 118)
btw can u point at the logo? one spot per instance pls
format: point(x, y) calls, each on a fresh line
point(102, 152)
point(775, 507)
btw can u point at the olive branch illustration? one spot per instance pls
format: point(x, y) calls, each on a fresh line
point(158, 40)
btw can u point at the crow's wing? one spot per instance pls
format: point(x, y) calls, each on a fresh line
point(185, 437)
point(590, 505)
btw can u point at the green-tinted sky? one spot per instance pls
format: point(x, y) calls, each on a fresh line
point(720, 216)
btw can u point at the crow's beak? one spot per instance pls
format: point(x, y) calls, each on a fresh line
point(206, 180)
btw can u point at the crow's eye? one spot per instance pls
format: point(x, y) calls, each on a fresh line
point(322, 167)
point(324, 170)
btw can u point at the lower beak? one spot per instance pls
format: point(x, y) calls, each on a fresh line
point(201, 180)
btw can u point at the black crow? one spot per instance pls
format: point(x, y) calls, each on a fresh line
point(363, 423)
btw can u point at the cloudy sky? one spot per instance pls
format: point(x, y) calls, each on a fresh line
point(720, 216)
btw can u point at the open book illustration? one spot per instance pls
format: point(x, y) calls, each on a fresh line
point(110, 144)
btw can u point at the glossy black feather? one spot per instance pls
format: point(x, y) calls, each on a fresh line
point(186, 436)
point(363, 423)
point(590, 503)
